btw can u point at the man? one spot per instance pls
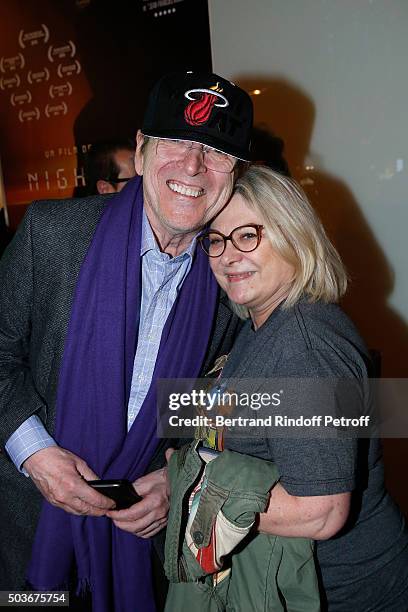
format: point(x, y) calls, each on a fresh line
point(109, 166)
point(101, 298)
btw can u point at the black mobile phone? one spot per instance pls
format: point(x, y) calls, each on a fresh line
point(121, 491)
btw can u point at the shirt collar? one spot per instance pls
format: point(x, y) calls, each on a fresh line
point(148, 241)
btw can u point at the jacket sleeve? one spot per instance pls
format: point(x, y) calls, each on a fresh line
point(18, 396)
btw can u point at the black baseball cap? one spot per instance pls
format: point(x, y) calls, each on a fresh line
point(201, 107)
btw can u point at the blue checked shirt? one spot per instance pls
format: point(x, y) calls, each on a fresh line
point(162, 278)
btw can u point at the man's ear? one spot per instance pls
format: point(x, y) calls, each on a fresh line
point(138, 153)
point(104, 187)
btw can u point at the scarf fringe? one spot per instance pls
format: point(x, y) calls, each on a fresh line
point(84, 587)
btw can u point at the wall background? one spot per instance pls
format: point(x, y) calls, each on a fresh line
point(333, 78)
point(74, 72)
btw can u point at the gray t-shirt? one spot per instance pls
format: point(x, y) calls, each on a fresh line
point(365, 566)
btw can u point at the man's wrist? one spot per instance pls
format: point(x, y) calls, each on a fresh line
point(29, 438)
point(22, 468)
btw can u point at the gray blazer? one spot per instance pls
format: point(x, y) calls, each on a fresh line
point(38, 273)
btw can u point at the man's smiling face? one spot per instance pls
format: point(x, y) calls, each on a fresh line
point(180, 195)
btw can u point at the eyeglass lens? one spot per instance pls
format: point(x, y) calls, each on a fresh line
point(244, 238)
point(213, 159)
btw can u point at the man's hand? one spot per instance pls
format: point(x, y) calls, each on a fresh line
point(149, 516)
point(60, 476)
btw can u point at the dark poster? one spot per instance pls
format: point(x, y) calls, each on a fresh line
point(76, 71)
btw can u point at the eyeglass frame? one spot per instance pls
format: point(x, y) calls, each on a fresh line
point(256, 226)
point(204, 149)
point(118, 180)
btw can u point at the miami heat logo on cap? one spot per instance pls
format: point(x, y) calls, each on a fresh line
point(198, 111)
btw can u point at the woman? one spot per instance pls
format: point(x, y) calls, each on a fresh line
point(270, 254)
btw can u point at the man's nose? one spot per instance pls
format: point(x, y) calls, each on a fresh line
point(193, 161)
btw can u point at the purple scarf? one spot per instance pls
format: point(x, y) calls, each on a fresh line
point(93, 392)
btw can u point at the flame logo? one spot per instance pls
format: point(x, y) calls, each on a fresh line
point(202, 101)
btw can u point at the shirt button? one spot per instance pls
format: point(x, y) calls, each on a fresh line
point(198, 537)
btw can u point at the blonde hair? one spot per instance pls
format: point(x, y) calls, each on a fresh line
point(297, 235)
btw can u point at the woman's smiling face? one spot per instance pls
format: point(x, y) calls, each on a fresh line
point(260, 279)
